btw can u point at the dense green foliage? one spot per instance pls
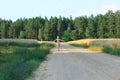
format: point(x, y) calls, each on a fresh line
point(100, 26)
point(107, 49)
point(20, 60)
point(113, 51)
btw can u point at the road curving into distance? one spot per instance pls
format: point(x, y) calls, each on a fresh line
point(72, 63)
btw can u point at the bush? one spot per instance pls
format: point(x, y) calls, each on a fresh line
point(113, 51)
point(107, 49)
point(116, 51)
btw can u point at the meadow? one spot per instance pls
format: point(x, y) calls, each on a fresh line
point(110, 46)
point(19, 58)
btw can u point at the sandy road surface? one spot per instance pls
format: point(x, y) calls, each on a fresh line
point(73, 63)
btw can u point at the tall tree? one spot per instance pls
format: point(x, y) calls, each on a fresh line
point(110, 24)
point(69, 34)
point(91, 28)
point(80, 24)
point(46, 29)
point(101, 24)
point(29, 31)
point(53, 27)
point(3, 30)
point(117, 24)
point(22, 35)
point(41, 29)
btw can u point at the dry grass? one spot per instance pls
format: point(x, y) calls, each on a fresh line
point(29, 41)
point(82, 41)
point(100, 42)
point(95, 48)
point(49, 42)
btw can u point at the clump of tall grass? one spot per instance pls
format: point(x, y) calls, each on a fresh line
point(23, 60)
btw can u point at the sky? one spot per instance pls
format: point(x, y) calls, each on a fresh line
point(15, 9)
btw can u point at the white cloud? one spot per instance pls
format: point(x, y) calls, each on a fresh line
point(112, 7)
point(95, 11)
point(107, 7)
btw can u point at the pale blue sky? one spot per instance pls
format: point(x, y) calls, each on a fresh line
point(14, 9)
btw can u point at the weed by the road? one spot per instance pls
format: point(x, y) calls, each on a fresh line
point(21, 59)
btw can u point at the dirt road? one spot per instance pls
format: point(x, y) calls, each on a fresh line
point(71, 63)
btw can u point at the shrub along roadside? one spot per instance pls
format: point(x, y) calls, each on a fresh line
point(23, 61)
point(110, 50)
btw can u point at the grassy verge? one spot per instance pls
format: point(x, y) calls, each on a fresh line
point(90, 47)
point(111, 50)
point(80, 45)
point(18, 61)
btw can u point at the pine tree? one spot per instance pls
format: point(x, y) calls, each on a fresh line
point(68, 34)
point(22, 35)
point(80, 25)
point(46, 29)
point(117, 25)
point(110, 24)
point(3, 30)
point(91, 30)
point(100, 26)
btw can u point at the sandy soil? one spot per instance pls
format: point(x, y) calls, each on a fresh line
point(72, 63)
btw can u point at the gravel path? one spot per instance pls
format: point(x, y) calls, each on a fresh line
point(72, 63)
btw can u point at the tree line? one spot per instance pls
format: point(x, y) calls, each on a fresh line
point(100, 26)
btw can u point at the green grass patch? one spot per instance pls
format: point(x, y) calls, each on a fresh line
point(19, 44)
point(18, 61)
point(80, 45)
point(90, 47)
point(107, 49)
point(112, 51)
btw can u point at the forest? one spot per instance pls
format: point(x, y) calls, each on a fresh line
point(82, 27)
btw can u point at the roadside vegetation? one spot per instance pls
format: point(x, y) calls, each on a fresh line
point(90, 47)
point(19, 60)
point(110, 46)
point(112, 50)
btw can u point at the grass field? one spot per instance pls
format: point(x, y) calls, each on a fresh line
point(19, 59)
point(97, 44)
point(100, 42)
point(27, 41)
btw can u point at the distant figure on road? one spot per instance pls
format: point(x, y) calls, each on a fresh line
point(58, 43)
